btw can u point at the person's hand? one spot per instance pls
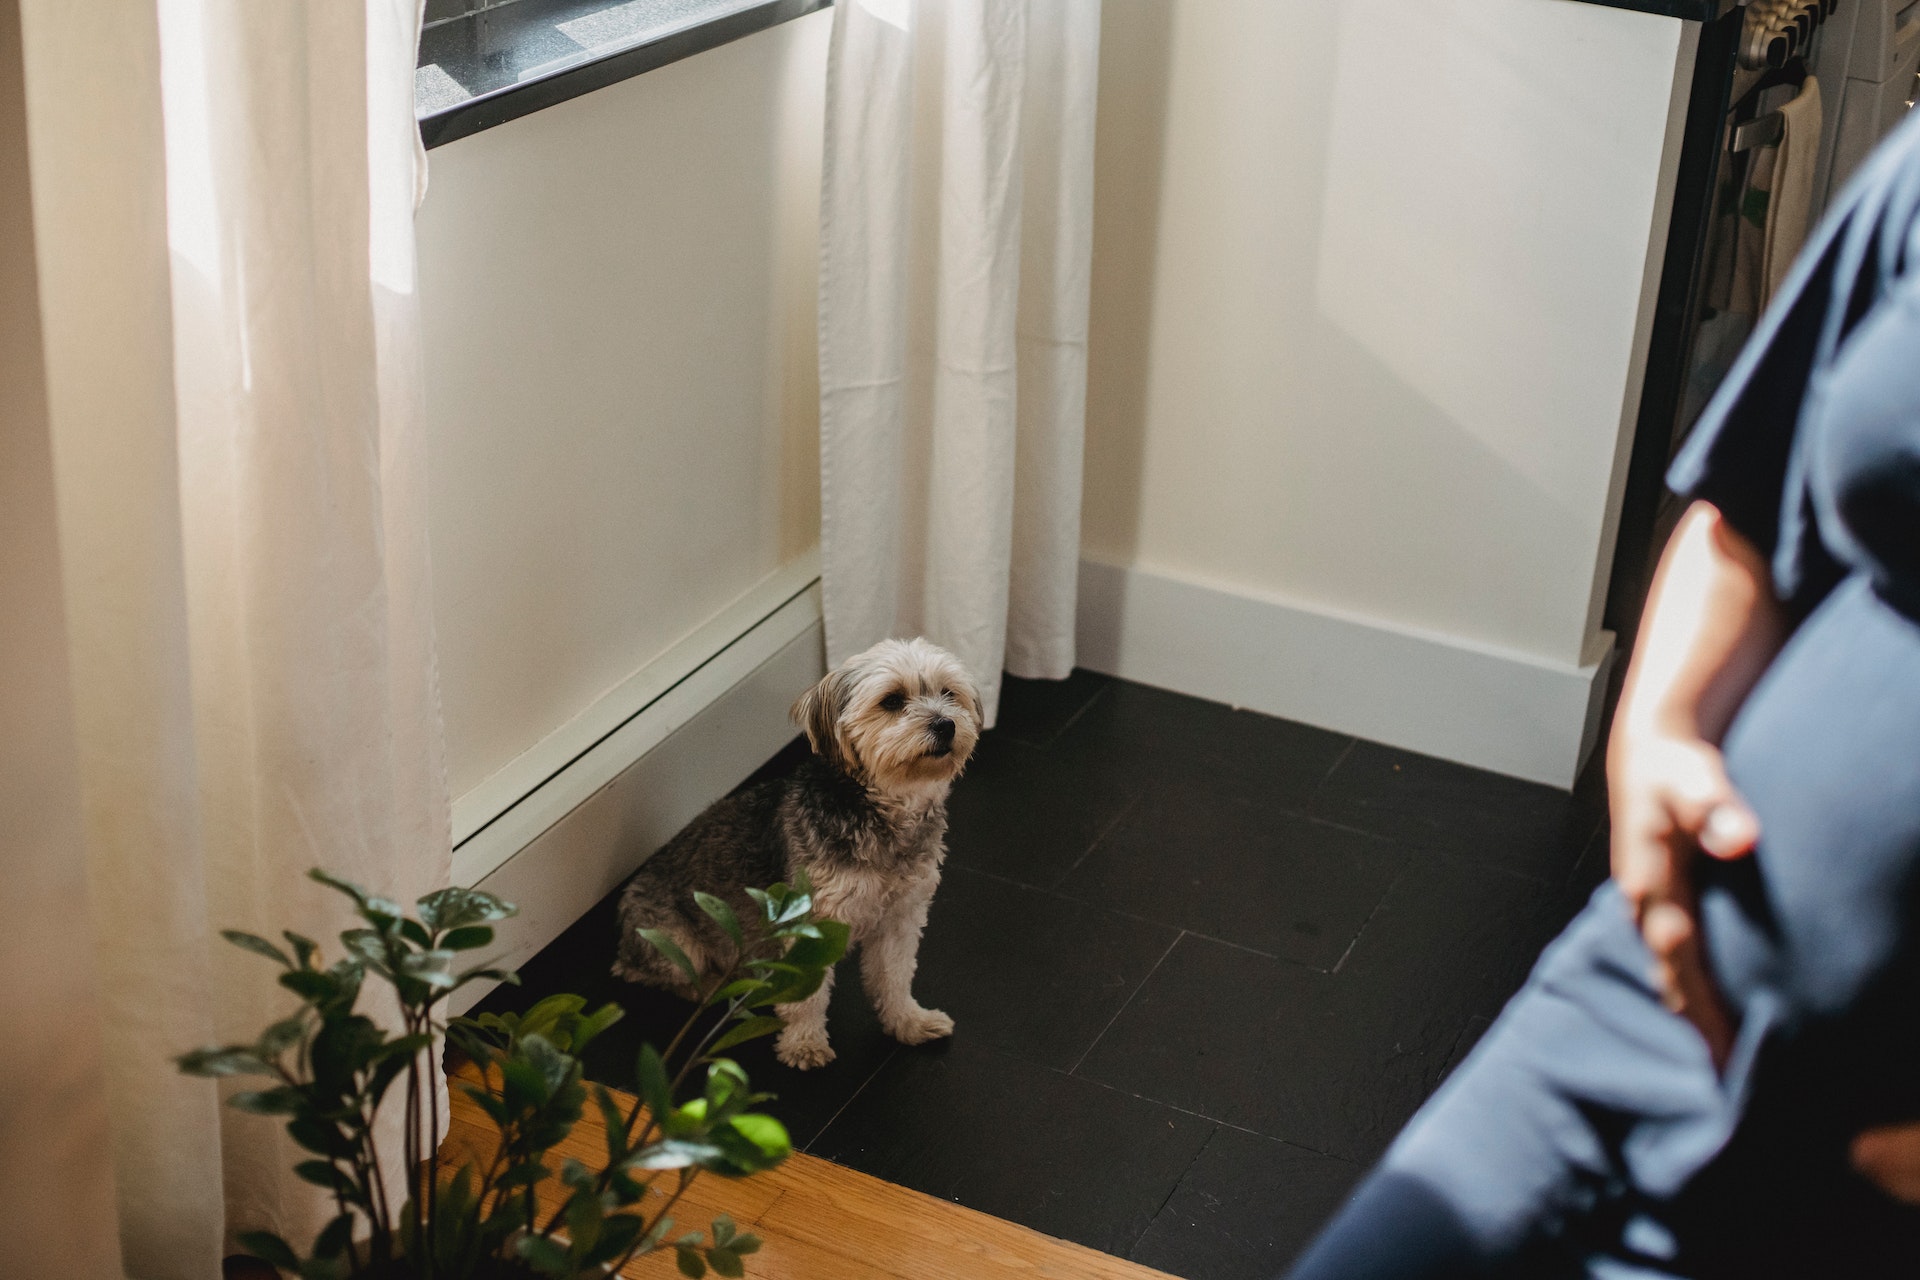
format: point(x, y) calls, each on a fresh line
point(1671, 799)
point(1890, 1159)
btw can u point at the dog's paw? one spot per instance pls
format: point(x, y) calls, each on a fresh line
point(921, 1026)
point(803, 1053)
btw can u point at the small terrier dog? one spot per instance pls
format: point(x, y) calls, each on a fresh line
point(865, 818)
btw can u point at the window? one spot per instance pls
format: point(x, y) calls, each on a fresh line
point(484, 62)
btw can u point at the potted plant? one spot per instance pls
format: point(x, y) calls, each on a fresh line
point(330, 1067)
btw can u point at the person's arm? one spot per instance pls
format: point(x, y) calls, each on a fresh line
point(1712, 627)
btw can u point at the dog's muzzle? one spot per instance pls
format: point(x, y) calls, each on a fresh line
point(942, 731)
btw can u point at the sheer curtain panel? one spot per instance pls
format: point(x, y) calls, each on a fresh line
point(956, 239)
point(223, 194)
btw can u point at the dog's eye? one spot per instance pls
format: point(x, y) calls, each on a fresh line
point(893, 702)
point(947, 694)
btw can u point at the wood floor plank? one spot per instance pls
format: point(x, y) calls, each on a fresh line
point(920, 1237)
point(821, 1221)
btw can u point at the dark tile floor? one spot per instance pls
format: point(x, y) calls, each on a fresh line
point(1203, 964)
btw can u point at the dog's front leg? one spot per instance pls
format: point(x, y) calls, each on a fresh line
point(803, 1041)
point(887, 964)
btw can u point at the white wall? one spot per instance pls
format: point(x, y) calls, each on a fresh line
point(1371, 281)
point(618, 299)
point(1371, 288)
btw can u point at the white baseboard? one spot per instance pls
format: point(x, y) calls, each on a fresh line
point(572, 841)
point(689, 659)
point(1437, 695)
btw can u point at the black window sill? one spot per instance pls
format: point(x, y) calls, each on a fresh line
point(514, 57)
point(1692, 10)
point(509, 58)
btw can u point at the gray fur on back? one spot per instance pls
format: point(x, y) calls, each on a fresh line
point(819, 819)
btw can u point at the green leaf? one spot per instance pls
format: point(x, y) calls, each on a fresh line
point(234, 1060)
point(468, 937)
point(544, 1255)
point(269, 1248)
point(525, 1175)
point(334, 1237)
point(281, 1036)
point(281, 1101)
point(320, 1173)
point(617, 1233)
point(548, 1013)
point(651, 1074)
point(382, 913)
point(593, 1024)
point(256, 944)
point(412, 931)
point(615, 1121)
point(739, 988)
point(748, 1029)
point(522, 1084)
point(722, 915)
point(583, 1222)
point(691, 1264)
point(368, 945)
point(766, 1133)
point(576, 1174)
point(656, 1233)
point(456, 907)
point(797, 906)
point(304, 949)
point(554, 1066)
point(725, 1079)
point(745, 1244)
point(739, 1157)
point(495, 1107)
point(322, 1137)
point(435, 968)
point(347, 887)
point(675, 1153)
point(671, 950)
point(823, 951)
point(725, 1262)
point(723, 1229)
point(793, 991)
point(310, 984)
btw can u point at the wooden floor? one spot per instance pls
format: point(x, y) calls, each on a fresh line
point(820, 1221)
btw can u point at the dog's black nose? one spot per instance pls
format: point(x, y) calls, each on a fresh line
point(942, 729)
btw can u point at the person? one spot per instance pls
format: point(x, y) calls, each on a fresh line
point(1715, 1070)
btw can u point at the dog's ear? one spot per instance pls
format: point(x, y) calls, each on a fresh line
point(969, 695)
point(818, 715)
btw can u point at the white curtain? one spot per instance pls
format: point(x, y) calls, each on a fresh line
point(223, 195)
point(956, 237)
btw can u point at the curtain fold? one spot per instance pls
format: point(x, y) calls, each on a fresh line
point(224, 204)
point(956, 240)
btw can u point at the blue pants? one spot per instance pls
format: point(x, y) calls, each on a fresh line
point(1588, 1134)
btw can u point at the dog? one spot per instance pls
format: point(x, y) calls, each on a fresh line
point(865, 817)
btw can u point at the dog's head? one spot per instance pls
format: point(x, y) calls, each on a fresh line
point(901, 716)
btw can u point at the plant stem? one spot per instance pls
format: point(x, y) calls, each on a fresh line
point(353, 1256)
point(646, 1228)
point(377, 1180)
point(433, 1142)
point(740, 961)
